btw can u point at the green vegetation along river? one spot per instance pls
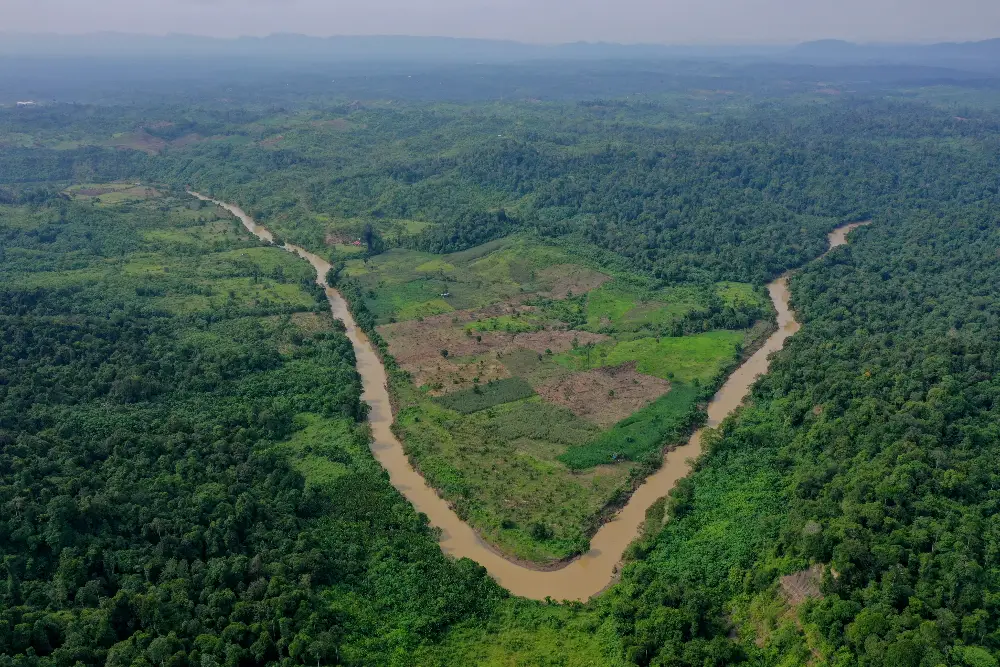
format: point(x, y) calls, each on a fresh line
point(592, 572)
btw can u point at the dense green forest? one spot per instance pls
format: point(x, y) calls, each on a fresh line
point(184, 470)
point(185, 476)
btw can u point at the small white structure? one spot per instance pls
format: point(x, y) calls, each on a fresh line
point(27, 103)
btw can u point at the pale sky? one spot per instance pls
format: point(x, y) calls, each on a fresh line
point(548, 21)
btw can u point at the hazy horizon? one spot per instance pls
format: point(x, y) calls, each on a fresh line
point(535, 21)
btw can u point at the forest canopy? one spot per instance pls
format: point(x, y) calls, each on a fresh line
point(184, 467)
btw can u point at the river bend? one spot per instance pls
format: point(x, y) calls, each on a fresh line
point(592, 572)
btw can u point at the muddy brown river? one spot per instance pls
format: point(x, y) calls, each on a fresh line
point(592, 572)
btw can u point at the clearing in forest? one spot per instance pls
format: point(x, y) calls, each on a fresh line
point(111, 193)
point(539, 380)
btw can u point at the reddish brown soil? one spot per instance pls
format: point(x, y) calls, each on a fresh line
point(270, 142)
point(140, 192)
point(333, 239)
point(187, 140)
point(144, 192)
point(803, 584)
point(588, 394)
point(446, 376)
point(140, 141)
point(565, 279)
point(417, 345)
point(334, 123)
point(310, 321)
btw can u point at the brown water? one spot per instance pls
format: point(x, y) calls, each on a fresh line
point(592, 572)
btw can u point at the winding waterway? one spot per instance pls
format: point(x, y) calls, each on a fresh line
point(592, 572)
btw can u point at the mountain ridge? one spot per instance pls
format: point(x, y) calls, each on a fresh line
point(975, 55)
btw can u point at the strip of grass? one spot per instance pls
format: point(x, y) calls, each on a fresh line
point(485, 396)
point(664, 420)
point(684, 359)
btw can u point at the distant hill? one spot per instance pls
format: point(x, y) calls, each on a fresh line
point(370, 48)
point(975, 55)
point(972, 56)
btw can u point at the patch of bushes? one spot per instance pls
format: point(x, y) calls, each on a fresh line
point(643, 434)
point(485, 396)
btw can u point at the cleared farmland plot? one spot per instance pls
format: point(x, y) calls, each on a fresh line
point(538, 382)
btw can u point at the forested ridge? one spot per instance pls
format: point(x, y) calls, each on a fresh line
point(184, 471)
point(739, 196)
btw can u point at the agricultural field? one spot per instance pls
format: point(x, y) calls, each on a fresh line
point(543, 385)
point(109, 194)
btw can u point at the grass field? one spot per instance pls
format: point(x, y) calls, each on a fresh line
point(696, 358)
point(109, 194)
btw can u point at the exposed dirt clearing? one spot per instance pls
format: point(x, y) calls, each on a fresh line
point(605, 396)
point(556, 341)
point(446, 376)
point(335, 123)
point(95, 192)
point(564, 280)
point(799, 586)
point(187, 140)
point(117, 192)
point(310, 321)
point(140, 141)
point(418, 346)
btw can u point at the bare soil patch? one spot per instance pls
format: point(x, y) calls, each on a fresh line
point(447, 376)
point(310, 321)
point(607, 395)
point(799, 586)
point(140, 141)
point(565, 280)
point(419, 346)
point(270, 142)
point(123, 192)
point(144, 192)
point(334, 123)
point(187, 140)
point(556, 341)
